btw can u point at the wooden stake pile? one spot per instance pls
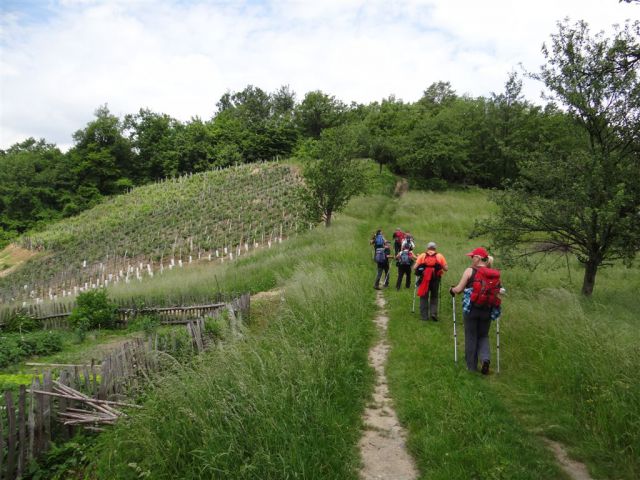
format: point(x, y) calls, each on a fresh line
point(95, 412)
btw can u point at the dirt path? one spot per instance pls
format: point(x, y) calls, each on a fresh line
point(573, 468)
point(382, 446)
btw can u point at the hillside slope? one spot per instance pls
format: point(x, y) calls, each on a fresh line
point(215, 214)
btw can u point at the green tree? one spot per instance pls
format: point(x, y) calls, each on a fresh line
point(318, 111)
point(586, 201)
point(334, 176)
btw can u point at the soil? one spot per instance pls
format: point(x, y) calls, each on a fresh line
point(575, 470)
point(12, 257)
point(402, 187)
point(383, 444)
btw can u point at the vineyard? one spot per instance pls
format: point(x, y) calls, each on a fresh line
point(215, 215)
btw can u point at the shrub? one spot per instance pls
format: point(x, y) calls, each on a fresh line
point(93, 310)
point(21, 322)
point(147, 323)
point(15, 347)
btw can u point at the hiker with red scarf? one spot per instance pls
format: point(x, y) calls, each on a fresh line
point(429, 266)
point(481, 303)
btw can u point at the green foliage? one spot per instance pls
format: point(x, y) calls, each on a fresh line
point(21, 322)
point(149, 324)
point(334, 177)
point(63, 461)
point(93, 310)
point(585, 202)
point(216, 328)
point(15, 347)
point(282, 403)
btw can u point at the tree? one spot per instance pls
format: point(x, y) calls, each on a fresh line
point(318, 111)
point(334, 176)
point(586, 201)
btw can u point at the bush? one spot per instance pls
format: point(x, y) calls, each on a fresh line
point(149, 324)
point(93, 310)
point(15, 347)
point(21, 322)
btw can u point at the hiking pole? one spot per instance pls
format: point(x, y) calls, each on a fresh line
point(415, 292)
point(455, 333)
point(498, 345)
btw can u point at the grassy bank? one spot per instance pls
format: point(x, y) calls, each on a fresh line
point(567, 364)
point(282, 403)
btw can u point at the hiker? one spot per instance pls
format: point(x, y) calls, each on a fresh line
point(377, 241)
point(481, 288)
point(382, 259)
point(432, 265)
point(404, 260)
point(398, 238)
point(408, 240)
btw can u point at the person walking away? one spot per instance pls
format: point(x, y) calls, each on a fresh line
point(404, 260)
point(481, 288)
point(382, 259)
point(408, 240)
point(398, 238)
point(433, 265)
point(377, 241)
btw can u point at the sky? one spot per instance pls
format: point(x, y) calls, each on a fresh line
point(62, 59)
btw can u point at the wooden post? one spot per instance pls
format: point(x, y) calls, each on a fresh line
point(11, 435)
point(22, 430)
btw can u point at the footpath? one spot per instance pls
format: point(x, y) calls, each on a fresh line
point(383, 444)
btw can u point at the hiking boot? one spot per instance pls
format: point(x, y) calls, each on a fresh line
point(485, 367)
point(434, 318)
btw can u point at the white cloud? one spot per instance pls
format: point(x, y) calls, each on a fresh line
point(178, 57)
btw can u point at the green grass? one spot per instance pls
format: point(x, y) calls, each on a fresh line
point(568, 364)
point(285, 402)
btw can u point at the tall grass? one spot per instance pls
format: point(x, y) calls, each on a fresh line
point(569, 365)
point(285, 403)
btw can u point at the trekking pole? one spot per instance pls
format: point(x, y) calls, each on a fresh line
point(455, 333)
point(415, 292)
point(498, 345)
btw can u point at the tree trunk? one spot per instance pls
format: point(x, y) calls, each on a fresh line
point(327, 219)
point(589, 281)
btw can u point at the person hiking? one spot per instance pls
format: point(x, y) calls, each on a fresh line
point(481, 289)
point(408, 240)
point(398, 237)
point(433, 265)
point(404, 260)
point(382, 259)
point(377, 241)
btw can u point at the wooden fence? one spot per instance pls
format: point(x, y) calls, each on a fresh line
point(89, 396)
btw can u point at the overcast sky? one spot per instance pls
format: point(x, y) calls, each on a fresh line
point(61, 59)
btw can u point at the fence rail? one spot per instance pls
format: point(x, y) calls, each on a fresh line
point(86, 396)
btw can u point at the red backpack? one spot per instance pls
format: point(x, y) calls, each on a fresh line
point(486, 287)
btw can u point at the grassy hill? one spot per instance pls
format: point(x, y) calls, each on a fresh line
point(161, 226)
point(284, 402)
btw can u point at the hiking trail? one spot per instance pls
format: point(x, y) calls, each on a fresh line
point(382, 446)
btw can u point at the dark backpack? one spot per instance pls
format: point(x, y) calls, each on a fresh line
point(486, 287)
point(378, 242)
point(405, 258)
point(380, 256)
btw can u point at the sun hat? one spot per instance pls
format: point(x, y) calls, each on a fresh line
point(431, 245)
point(481, 252)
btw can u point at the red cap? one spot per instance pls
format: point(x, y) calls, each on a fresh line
point(481, 252)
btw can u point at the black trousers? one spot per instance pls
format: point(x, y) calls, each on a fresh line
point(382, 267)
point(402, 271)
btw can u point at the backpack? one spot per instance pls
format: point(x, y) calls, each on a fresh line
point(405, 258)
point(380, 256)
point(486, 287)
point(408, 240)
point(378, 242)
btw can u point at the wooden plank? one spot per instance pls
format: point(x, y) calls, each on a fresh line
point(45, 406)
point(31, 421)
point(11, 435)
point(1, 447)
point(22, 430)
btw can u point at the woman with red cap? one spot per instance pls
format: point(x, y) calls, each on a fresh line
point(477, 319)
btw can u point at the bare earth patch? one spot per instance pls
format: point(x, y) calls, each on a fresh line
point(383, 445)
point(573, 468)
point(12, 257)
